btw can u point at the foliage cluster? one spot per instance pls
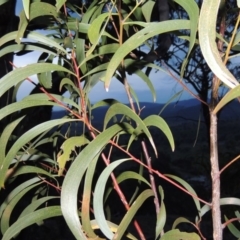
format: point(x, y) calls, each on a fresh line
point(92, 42)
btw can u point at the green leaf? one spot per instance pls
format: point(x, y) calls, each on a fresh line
point(188, 187)
point(119, 108)
point(176, 235)
point(223, 201)
point(59, 4)
point(30, 219)
point(192, 9)
point(30, 169)
point(131, 213)
point(5, 218)
point(16, 191)
point(67, 147)
point(207, 40)
point(74, 177)
point(36, 37)
point(98, 198)
point(235, 232)
point(18, 75)
point(45, 79)
point(26, 47)
point(7, 132)
point(36, 204)
point(37, 9)
point(147, 9)
point(157, 121)
point(26, 4)
point(94, 32)
point(138, 39)
point(24, 139)
point(180, 220)
point(112, 226)
point(161, 217)
point(232, 94)
point(87, 192)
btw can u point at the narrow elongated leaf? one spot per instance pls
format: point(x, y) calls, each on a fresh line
point(207, 40)
point(157, 121)
point(36, 204)
point(112, 226)
point(138, 39)
point(30, 219)
point(132, 212)
point(14, 107)
point(180, 220)
point(25, 138)
point(119, 108)
point(87, 192)
point(147, 10)
point(31, 169)
point(235, 232)
point(60, 3)
point(16, 191)
point(33, 36)
point(192, 9)
point(5, 219)
point(176, 235)
point(232, 94)
point(74, 177)
point(223, 201)
point(18, 75)
point(6, 135)
point(26, 4)
point(162, 216)
point(36, 9)
point(26, 47)
point(98, 198)
point(188, 187)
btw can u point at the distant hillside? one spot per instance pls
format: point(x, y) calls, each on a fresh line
point(175, 113)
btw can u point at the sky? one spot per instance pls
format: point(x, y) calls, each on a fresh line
point(165, 85)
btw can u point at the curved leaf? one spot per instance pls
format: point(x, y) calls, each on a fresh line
point(16, 191)
point(30, 219)
point(132, 212)
point(119, 108)
point(98, 198)
point(33, 36)
point(86, 223)
point(192, 9)
point(35, 204)
point(157, 121)
point(5, 218)
point(138, 39)
point(232, 94)
point(25, 138)
point(223, 201)
point(112, 226)
point(161, 217)
point(19, 74)
point(235, 232)
point(207, 40)
point(188, 187)
point(75, 175)
point(176, 235)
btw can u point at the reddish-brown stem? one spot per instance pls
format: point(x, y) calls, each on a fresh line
point(120, 193)
point(230, 221)
point(159, 174)
point(230, 163)
point(152, 181)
